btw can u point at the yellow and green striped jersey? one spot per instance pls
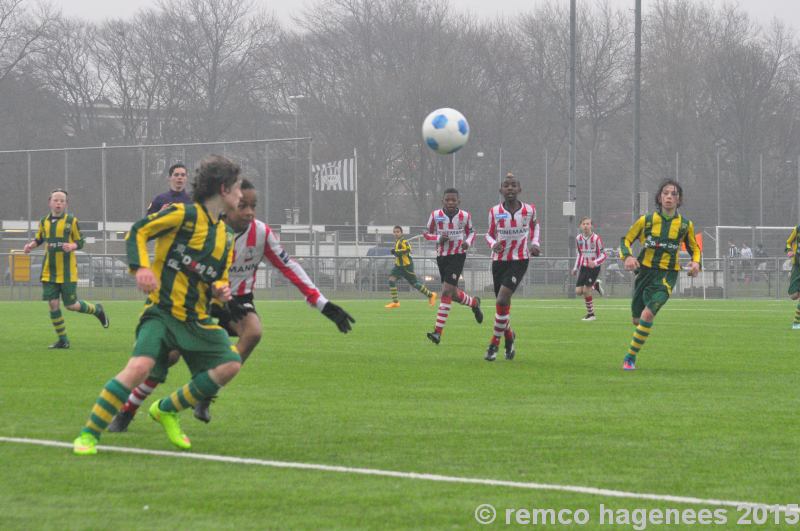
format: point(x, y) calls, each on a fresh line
point(661, 239)
point(792, 244)
point(58, 266)
point(402, 253)
point(192, 253)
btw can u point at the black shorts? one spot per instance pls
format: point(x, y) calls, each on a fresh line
point(587, 276)
point(245, 303)
point(451, 267)
point(508, 273)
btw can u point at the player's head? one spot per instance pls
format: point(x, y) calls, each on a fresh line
point(217, 175)
point(57, 201)
point(586, 224)
point(510, 187)
point(398, 232)
point(669, 195)
point(450, 199)
point(177, 177)
point(245, 212)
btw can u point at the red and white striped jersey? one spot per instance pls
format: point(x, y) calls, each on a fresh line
point(590, 247)
point(257, 243)
point(515, 230)
point(458, 230)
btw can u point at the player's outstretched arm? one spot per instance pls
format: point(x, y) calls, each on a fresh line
point(340, 318)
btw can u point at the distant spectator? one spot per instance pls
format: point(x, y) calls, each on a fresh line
point(733, 254)
point(746, 253)
point(175, 194)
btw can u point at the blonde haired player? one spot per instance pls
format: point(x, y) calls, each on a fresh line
point(587, 265)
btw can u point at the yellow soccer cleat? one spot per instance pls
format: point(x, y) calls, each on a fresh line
point(172, 425)
point(85, 444)
point(392, 305)
point(432, 299)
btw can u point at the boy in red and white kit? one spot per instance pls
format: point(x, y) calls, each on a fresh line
point(452, 229)
point(513, 236)
point(587, 265)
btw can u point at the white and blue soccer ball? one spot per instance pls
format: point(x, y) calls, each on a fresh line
point(445, 130)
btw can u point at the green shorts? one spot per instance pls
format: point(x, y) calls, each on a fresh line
point(203, 345)
point(67, 290)
point(652, 289)
point(406, 272)
point(794, 280)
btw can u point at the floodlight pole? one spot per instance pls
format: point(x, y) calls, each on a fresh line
point(572, 146)
point(637, 82)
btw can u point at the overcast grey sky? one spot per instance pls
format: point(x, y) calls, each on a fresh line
point(763, 10)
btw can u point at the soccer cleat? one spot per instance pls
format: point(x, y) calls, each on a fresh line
point(85, 444)
point(599, 287)
point(172, 426)
point(795, 326)
point(491, 353)
point(435, 337)
point(589, 317)
point(61, 343)
point(101, 315)
point(510, 350)
point(476, 310)
point(201, 410)
point(629, 363)
point(432, 299)
point(392, 305)
point(121, 421)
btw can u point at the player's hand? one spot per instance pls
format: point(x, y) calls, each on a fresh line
point(573, 272)
point(221, 291)
point(631, 263)
point(29, 247)
point(535, 251)
point(340, 318)
point(165, 206)
point(443, 238)
point(146, 280)
point(69, 247)
point(694, 269)
point(498, 247)
point(790, 254)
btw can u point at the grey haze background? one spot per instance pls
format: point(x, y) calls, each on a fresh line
point(764, 10)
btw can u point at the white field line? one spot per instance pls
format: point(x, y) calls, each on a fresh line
point(593, 491)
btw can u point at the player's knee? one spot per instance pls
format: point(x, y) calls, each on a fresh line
point(225, 372)
point(173, 357)
point(73, 307)
point(136, 371)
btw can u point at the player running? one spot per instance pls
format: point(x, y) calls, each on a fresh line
point(513, 236)
point(587, 265)
point(451, 229)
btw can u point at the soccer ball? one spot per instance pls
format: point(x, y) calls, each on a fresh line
point(445, 130)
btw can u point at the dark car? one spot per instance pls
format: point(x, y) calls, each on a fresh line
point(373, 274)
point(111, 271)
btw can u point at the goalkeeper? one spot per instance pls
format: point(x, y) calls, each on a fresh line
point(254, 242)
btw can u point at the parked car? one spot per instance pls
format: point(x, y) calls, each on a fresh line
point(375, 269)
point(110, 270)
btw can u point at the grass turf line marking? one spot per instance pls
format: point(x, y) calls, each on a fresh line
point(594, 491)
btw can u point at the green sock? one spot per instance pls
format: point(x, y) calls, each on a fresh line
point(58, 323)
point(200, 387)
point(422, 289)
point(640, 335)
point(111, 399)
point(86, 307)
point(796, 313)
point(393, 290)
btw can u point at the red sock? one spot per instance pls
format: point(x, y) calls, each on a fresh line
point(446, 302)
point(500, 322)
point(139, 395)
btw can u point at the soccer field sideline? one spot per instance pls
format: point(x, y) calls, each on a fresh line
point(593, 491)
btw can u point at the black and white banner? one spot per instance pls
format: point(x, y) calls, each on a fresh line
point(338, 175)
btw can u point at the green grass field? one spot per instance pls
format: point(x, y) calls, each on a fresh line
point(711, 413)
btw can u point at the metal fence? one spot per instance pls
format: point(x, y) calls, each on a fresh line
point(105, 277)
